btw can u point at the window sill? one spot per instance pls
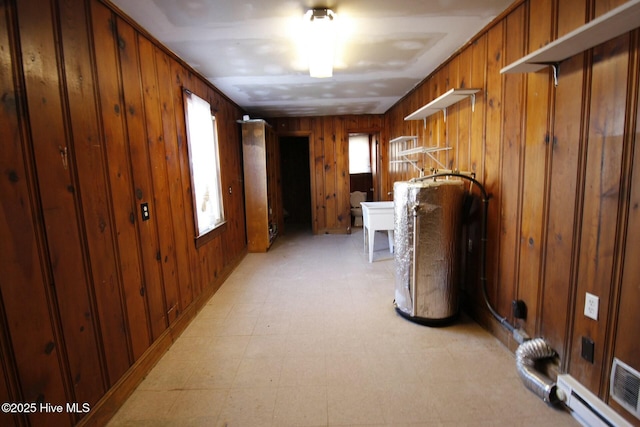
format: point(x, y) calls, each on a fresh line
point(212, 234)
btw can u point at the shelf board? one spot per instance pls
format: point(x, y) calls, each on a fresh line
point(605, 27)
point(402, 139)
point(441, 103)
point(422, 150)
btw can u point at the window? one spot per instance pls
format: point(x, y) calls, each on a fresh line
point(204, 159)
point(359, 154)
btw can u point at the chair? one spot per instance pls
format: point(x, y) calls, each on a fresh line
point(356, 209)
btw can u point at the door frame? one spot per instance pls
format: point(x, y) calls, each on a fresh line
point(312, 178)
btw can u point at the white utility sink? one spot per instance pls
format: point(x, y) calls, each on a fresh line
point(377, 216)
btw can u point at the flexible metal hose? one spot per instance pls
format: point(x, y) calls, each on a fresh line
point(526, 355)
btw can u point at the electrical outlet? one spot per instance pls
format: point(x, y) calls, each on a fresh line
point(591, 306)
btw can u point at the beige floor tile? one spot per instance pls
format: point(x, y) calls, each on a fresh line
point(215, 373)
point(303, 371)
point(354, 405)
point(408, 403)
point(307, 335)
point(248, 407)
point(271, 346)
point(236, 325)
point(301, 406)
point(349, 370)
point(145, 405)
point(233, 346)
point(258, 372)
point(272, 323)
point(198, 404)
point(169, 374)
point(306, 345)
point(463, 401)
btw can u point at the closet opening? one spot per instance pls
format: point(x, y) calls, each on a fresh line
point(296, 183)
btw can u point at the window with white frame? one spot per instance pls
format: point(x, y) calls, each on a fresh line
point(204, 159)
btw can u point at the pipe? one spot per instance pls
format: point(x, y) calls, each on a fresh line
point(529, 351)
point(414, 270)
point(526, 356)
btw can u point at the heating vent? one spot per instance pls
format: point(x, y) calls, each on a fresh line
point(625, 386)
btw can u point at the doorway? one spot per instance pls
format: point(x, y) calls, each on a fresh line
point(363, 170)
point(296, 182)
point(360, 176)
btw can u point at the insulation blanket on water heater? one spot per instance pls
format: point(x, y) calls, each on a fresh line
point(428, 222)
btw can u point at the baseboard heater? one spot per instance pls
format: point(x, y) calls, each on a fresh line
point(585, 406)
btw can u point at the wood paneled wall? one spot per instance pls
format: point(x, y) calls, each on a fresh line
point(92, 125)
point(559, 163)
point(329, 163)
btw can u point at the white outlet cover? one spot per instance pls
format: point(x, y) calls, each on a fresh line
point(591, 303)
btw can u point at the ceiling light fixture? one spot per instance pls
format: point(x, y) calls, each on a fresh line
point(321, 41)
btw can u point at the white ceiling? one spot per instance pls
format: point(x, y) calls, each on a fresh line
point(248, 49)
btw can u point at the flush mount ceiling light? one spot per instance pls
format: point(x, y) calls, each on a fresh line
point(321, 41)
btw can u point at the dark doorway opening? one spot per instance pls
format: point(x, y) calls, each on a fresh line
point(296, 182)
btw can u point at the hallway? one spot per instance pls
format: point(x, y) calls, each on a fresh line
point(306, 335)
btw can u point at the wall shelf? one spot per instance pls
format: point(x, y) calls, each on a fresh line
point(423, 150)
point(441, 103)
point(402, 139)
point(415, 150)
point(606, 27)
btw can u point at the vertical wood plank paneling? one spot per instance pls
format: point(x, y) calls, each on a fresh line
point(92, 176)
point(571, 15)
point(31, 351)
point(601, 200)
point(439, 129)
point(343, 205)
point(330, 173)
point(156, 290)
point(231, 170)
point(149, 288)
point(512, 157)
point(7, 383)
point(475, 158)
point(567, 149)
point(604, 6)
point(452, 157)
point(463, 150)
point(161, 208)
point(318, 143)
point(625, 342)
point(492, 154)
point(181, 80)
point(478, 79)
point(535, 153)
point(171, 156)
point(68, 267)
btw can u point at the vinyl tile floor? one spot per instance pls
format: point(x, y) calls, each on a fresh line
point(307, 335)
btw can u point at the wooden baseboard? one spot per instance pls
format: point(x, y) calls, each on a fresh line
point(117, 395)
